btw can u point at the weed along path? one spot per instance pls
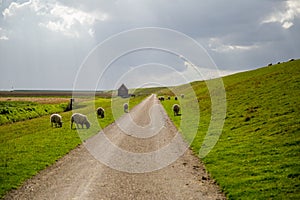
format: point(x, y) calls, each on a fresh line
point(140, 156)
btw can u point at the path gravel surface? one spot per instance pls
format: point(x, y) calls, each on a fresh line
point(140, 156)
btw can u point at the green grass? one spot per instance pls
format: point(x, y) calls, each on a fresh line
point(13, 111)
point(30, 146)
point(257, 155)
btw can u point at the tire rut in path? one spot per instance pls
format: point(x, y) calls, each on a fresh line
point(79, 175)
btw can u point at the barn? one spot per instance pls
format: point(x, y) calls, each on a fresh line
point(123, 91)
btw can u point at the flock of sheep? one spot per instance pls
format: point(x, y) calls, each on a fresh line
point(78, 118)
point(176, 107)
point(169, 98)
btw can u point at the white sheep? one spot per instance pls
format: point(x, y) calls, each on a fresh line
point(176, 109)
point(80, 119)
point(125, 106)
point(100, 112)
point(56, 119)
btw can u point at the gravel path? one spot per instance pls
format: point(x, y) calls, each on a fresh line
point(142, 157)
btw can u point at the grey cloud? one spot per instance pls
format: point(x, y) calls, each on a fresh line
point(238, 35)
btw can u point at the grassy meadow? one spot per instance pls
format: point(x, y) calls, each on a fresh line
point(31, 145)
point(13, 111)
point(257, 155)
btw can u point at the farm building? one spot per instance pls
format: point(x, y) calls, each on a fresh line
point(123, 91)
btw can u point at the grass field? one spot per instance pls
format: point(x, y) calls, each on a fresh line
point(31, 145)
point(257, 155)
point(13, 111)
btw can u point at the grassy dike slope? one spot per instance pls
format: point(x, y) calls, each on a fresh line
point(257, 155)
point(26, 147)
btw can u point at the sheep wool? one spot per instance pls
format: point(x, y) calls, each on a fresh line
point(56, 119)
point(100, 112)
point(81, 119)
point(125, 107)
point(176, 109)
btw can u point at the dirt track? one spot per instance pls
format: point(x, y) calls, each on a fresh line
point(141, 147)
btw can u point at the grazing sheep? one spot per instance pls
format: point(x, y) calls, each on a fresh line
point(100, 112)
point(176, 109)
point(161, 98)
point(125, 106)
point(176, 98)
point(182, 96)
point(80, 119)
point(56, 120)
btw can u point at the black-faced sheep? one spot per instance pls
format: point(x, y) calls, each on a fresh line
point(100, 112)
point(80, 119)
point(161, 98)
point(125, 106)
point(56, 119)
point(176, 109)
point(182, 96)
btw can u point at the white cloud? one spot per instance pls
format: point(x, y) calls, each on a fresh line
point(217, 45)
point(91, 32)
point(194, 72)
point(287, 16)
point(3, 35)
point(50, 35)
point(57, 17)
point(13, 8)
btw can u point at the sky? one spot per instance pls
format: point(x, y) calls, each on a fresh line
point(100, 44)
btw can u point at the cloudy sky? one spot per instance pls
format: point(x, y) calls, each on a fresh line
point(57, 44)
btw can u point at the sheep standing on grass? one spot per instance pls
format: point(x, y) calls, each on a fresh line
point(125, 106)
point(80, 119)
point(182, 96)
point(161, 98)
point(176, 109)
point(56, 119)
point(100, 112)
